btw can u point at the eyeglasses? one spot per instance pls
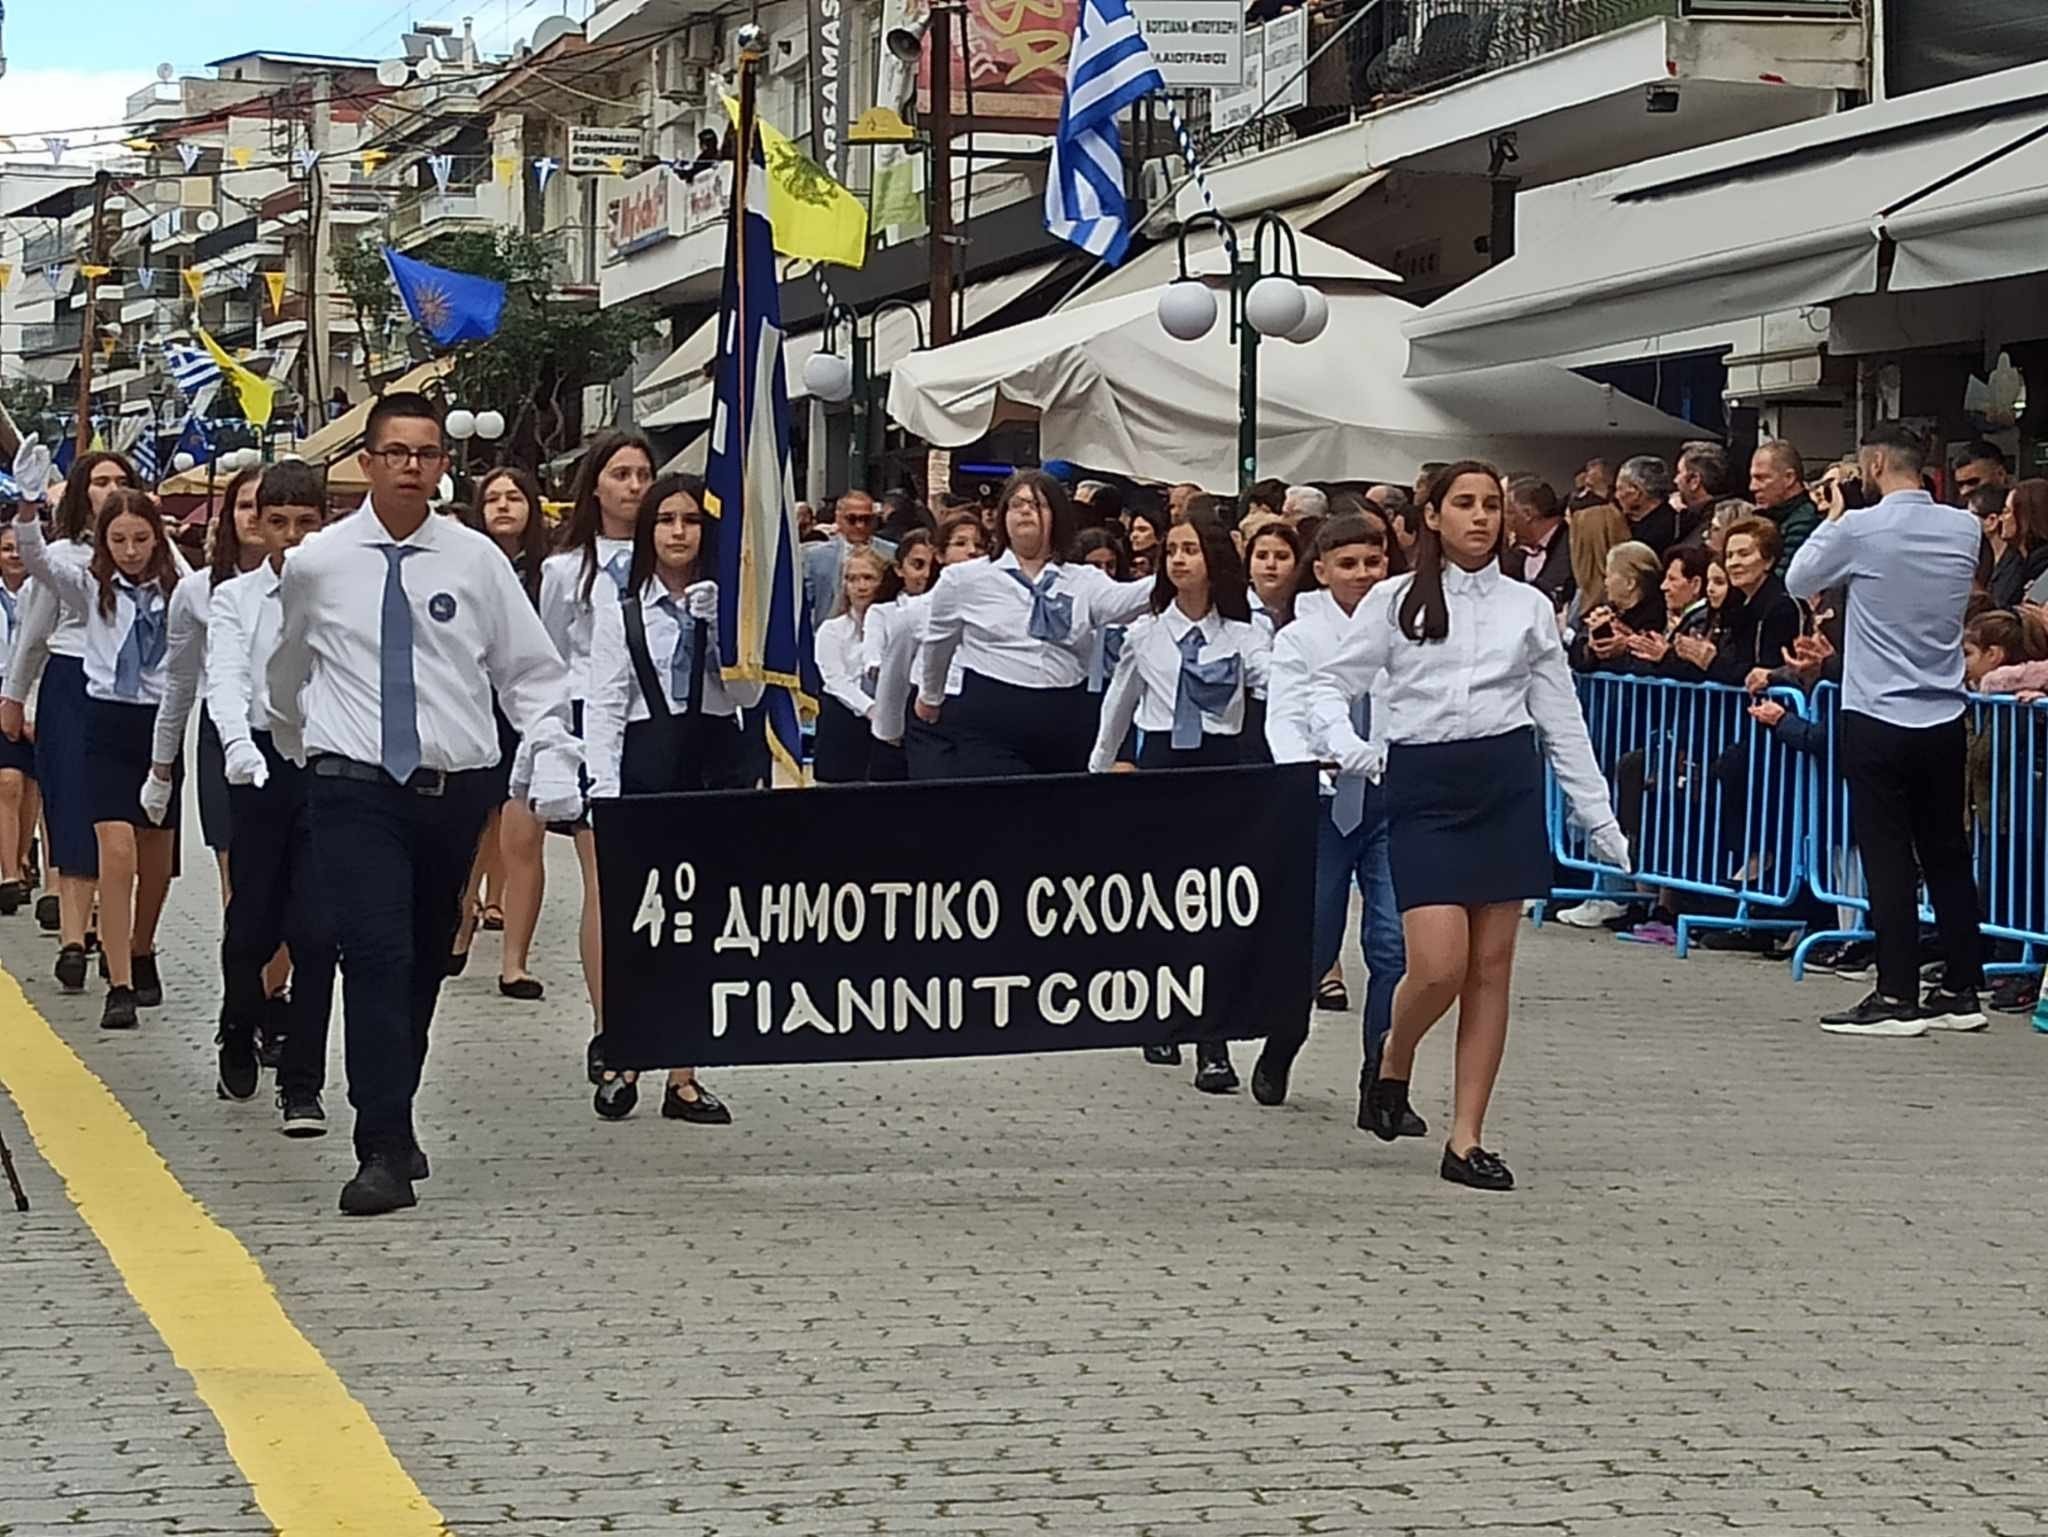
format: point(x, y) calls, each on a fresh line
point(397, 456)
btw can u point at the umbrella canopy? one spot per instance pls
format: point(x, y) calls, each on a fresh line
point(1112, 391)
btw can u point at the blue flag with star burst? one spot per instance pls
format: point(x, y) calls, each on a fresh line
point(764, 634)
point(449, 306)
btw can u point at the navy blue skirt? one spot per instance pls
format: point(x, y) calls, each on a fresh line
point(19, 756)
point(211, 765)
point(60, 768)
point(1466, 821)
point(120, 740)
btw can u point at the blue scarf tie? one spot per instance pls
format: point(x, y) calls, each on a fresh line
point(147, 637)
point(1205, 687)
point(684, 657)
point(620, 569)
point(1348, 809)
point(1052, 617)
point(1109, 649)
point(10, 603)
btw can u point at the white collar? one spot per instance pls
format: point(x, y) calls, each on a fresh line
point(1471, 584)
point(1178, 624)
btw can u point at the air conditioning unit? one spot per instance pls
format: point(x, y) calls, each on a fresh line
point(677, 77)
point(699, 43)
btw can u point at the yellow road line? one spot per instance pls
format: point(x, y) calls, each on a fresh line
point(312, 1455)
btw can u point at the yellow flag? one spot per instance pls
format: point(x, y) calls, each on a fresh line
point(274, 281)
point(505, 168)
point(616, 164)
point(812, 214)
point(6, 273)
point(195, 281)
point(257, 395)
point(92, 270)
point(241, 154)
point(372, 158)
point(108, 344)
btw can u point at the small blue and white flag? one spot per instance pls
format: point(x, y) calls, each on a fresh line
point(1109, 69)
point(192, 368)
point(143, 456)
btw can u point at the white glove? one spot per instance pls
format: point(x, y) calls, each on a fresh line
point(156, 798)
point(701, 598)
point(245, 765)
point(1365, 761)
point(1610, 847)
point(558, 806)
point(32, 468)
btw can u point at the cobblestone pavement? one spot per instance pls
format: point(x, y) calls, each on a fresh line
point(1757, 1278)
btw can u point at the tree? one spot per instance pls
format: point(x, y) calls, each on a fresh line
point(544, 352)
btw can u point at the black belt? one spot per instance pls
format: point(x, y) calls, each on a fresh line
point(424, 781)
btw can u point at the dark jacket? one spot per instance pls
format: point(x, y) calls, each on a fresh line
point(1658, 529)
point(1796, 521)
point(1554, 577)
point(1754, 632)
point(1645, 618)
point(2015, 572)
point(1698, 623)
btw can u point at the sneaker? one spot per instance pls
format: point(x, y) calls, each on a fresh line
point(71, 968)
point(239, 1068)
point(1944, 1010)
point(1857, 960)
point(1591, 913)
point(1740, 941)
point(1877, 1015)
point(300, 1113)
point(12, 895)
point(271, 1027)
point(119, 1013)
point(1651, 934)
point(149, 986)
point(2016, 994)
point(1213, 1072)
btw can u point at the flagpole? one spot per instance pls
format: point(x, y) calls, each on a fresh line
point(752, 49)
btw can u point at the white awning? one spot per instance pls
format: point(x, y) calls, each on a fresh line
point(1778, 221)
point(1987, 225)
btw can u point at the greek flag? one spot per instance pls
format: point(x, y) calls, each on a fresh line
point(1109, 69)
point(143, 455)
point(191, 368)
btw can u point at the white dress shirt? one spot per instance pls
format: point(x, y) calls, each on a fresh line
point(43, 627)
point(1501, 667)
point(184, 663)
point(568, 614)
point(837, 646)
point(472, 624)
point(902, 664)
point(10, 622)
point(105, 634)
point(245, 620)
point(981, 611)
point(1147, 679)
point(615, 699)
point(1314, 636)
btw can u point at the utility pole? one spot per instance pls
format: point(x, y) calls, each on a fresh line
point(98, 249)
point(319, 297)
point(939, 45)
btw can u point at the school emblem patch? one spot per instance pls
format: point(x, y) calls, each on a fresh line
point(442, 606)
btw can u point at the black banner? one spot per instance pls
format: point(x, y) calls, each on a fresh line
point(961, 919)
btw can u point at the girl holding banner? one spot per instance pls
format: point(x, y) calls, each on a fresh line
point(1021, 623)
point(1183, 676)
point(659, 720)
point(1476, 694)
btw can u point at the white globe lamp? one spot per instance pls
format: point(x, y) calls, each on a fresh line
point(1275, 305)
point(829, 377)
point(1187, 310)
point(490, 425)
point(461, 424)
point(181, 462)
point(1314, 317)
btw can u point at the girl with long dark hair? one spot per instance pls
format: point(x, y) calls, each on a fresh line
point(125, 596)
point(1476, 695)
point(927, 746)
point(49, 657)
point(506, 508)
point(660, 719)
point(1021, 624)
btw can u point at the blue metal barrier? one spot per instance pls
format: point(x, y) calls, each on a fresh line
point(1715, 803)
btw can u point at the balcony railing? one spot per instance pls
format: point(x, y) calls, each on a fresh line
point(42, 338)
point(415, 214)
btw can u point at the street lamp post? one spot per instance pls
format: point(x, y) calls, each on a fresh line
point(833, 378)
point(1264, 301)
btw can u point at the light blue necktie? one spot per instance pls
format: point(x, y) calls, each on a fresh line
point(1204, 686)
point(1109, 649)
point(1052, 617)
point(1348, 809)
point(398, 694)
point(11, 604)
point(620, 569)
point(147, 637)
point(684, 657)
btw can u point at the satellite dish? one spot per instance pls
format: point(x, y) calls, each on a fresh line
point(393, 72)
point(428, 67)
point(208, 221)
point(166, 73)
point(553, 30)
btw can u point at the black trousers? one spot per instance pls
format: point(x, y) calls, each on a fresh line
point(1906, 810)
point(1005, 731)
point(277, 900)
point(394, 864)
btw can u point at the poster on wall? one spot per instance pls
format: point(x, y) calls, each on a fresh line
point(1019, 50)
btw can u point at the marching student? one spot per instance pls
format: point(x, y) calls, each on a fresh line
point(595, 547)
point(1021, 624)
point(842, 750)
point(125, 595)
point(18, 798)
point(275, 896)
point(659, 718)
point(915, 563)
point(391, 620)
point(1271, 559)
point(49, 658)
point(507, 508)
point(927, 745)
point(1182, 676)
point(1347, 558)
point(1476, 695)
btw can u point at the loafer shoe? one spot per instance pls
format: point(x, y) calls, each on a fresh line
point(1478, 1169)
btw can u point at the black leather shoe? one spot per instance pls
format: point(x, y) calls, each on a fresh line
point(380, 1186)
point(707, 1109)
point(1213, 1072)
point(525, 989)
point(1478, 1169)
point(12, 895)
point(417, 1165)
point(1385, 1108)
point(458, 963)
point(615, 1099)
point(149, 984)
point(593, 1060)
point(1163, 1056)
point(119, 1013)
point(49, 915)
point(1412, 1125)
point(71, 968)
point(239, 1068)
point(1271, 1072)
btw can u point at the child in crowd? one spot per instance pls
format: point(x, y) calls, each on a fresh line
point(846, 709)
point(18, 796)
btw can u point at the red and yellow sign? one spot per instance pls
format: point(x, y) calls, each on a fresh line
point(1019, 53)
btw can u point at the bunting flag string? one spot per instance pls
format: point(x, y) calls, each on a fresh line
point(306, 159)
point(504, 169)
point(189, 153)
point(92, 272)
point(370, 159)
point(443, 166)
point(545, 167)
point(6, 273)
point(195, 282)
point(274, 281)
point(242, 155)
point(146, 276)
point(55, 276)
point(56, 144)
